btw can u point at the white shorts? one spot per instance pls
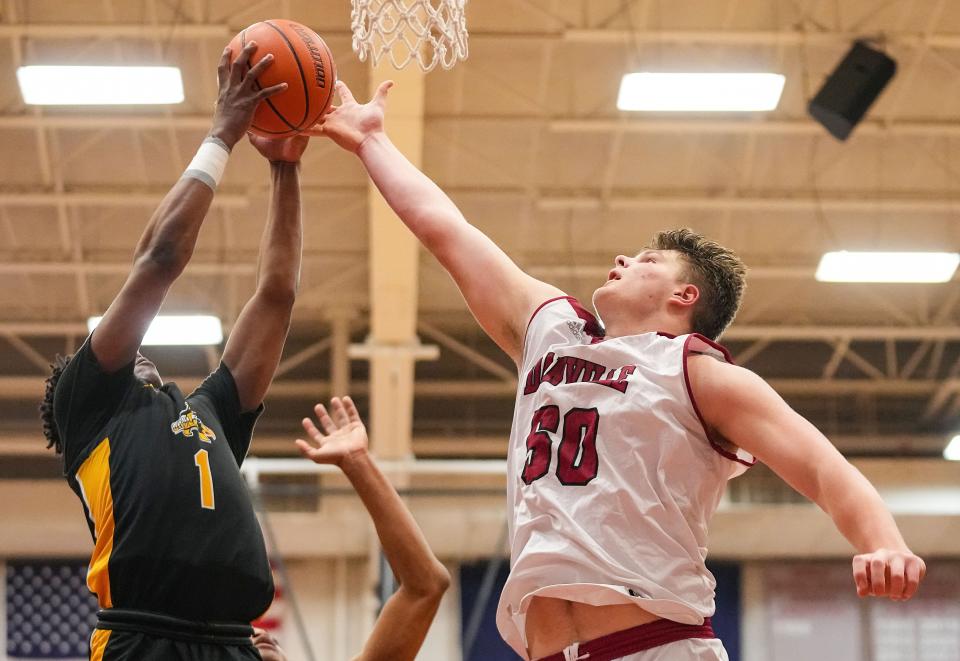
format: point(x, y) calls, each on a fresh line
point(661, 640)
point(691, 649)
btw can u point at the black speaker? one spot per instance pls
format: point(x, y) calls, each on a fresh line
point(851, 89)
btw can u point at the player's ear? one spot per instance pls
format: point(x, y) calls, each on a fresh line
point(686, 295)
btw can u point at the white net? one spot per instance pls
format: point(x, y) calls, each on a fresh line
point(430, 32)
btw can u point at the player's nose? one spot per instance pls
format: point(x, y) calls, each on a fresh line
point(621, 260)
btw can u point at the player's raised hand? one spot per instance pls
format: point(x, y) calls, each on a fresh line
point(886, 573)
point(280, 150)
point(239, 94)
point(343, 434)
point(350, 123)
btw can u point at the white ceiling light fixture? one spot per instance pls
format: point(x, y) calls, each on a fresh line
point(906, 267)
point(952, 451)
point(700, 92)
point(95, 85)
point(178, 330)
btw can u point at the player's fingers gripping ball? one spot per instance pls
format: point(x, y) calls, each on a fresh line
point(303, 61)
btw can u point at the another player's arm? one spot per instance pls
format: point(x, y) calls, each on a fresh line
point(744, 409)
point(406, 617)
point(499, 294)
point(256, 342)
point(167, 243)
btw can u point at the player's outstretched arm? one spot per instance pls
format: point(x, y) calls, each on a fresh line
point(168, 241)
point(745, 410)
point(256, 342)
point(500, 295)
point(407, 615)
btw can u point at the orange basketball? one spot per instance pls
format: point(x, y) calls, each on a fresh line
point(303, 61)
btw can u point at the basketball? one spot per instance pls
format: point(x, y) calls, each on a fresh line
point(303, 61)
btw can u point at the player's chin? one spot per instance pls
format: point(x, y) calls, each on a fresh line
point(602, 296)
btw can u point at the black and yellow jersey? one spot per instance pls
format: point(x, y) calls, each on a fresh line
point(158, 473)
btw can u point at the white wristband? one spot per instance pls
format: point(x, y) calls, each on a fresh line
point(209, 163)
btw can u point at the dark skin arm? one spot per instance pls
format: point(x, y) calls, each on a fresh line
point(256, 342)
point(168, 241)
point(408, 613)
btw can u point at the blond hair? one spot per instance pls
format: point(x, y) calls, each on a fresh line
point(716, 271)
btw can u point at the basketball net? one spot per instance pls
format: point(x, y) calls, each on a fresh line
point(431, 32)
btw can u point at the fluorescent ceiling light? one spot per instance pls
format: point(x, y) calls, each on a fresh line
point(178, 330)
point(844, 266)
point(88, 85)
point(952, 451)
point(722, 92)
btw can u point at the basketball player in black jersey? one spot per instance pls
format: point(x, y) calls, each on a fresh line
point(179, 565)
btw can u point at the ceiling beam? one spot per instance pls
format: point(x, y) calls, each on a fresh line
point(625, 124)
point(666, 200)
point(114, 198)
point(29, 387)
point(600, 272)
point(105, 30)
point(587, 200)
point(786, 333)
point(779, 38)
point(495, 446)
point(752, 126)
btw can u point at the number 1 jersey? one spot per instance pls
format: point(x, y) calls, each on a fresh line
point(611, 475)
point(158, 475)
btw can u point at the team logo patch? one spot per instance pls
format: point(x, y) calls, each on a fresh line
point(188, 423)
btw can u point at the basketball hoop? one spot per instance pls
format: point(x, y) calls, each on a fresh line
point(431, 32)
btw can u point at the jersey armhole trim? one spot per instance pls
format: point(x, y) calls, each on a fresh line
point(540, 307)
point(526, 330)
point(693, 401)
point(591, 325)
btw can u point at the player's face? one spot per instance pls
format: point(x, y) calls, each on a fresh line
point(145, 370)
point(642, 283)
point(267, 646)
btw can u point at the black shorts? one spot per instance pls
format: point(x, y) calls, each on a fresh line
point(124, 635)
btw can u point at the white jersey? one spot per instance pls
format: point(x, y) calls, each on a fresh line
point(611, 475)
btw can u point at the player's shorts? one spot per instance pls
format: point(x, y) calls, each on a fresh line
point(126, 635)
point(662, 640)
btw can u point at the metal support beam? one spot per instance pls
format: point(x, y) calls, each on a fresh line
point(786, 333)
point(22, 387)
point(394, 253)
point(735, 126)
point(340, 319)
point(746, 38)
point(486, 364)
point(668, 201)
point(28, 352)
point(495, 446)
point(305, 354)
point(178, 31)
point(751, 126)
point(80, 198)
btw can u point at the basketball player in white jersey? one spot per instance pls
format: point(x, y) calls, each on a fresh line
point(625, 434)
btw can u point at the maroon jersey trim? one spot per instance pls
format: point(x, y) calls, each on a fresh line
point(591, 326)
point(696, 409)
point(619, 644)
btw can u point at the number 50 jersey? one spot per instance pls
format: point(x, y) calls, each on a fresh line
point(612, 476)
